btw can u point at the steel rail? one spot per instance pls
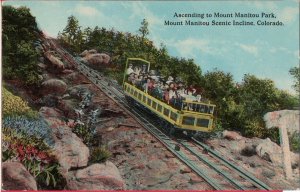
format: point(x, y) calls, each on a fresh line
point(243, 173)
point(164, 139)
point(213, 166)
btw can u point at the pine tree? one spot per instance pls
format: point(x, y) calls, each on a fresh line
point(295, 72)
point(70, 32)
point(144, 29)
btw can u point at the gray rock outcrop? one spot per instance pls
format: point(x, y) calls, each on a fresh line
point(94, 58)
point(54, 86)
point(69, 149)
point(56, 63)
point(104, 176)
point(270, 151)
point(231, 135)
point(16, 177)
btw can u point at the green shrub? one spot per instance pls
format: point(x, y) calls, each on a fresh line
point(20, 34)
point(295, 142)
point(15, 106)
point(217, 126)
point(273, 134)
point(83, 132)
point(254, 128)
point(99, 154)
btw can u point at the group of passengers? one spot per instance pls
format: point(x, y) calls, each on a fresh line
point(168, 90)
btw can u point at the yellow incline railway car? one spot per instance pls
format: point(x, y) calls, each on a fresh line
point(191, 116)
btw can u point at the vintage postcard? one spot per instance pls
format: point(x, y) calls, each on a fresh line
point(150, 95)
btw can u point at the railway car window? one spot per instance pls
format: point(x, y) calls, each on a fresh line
point(135, 93)
point(202, 122)
point(140, 96)
point(206, 109)
point(202, 109)
point(173, 116)
point(211, 109)
point(166, 112)
point(149, 102)
point(154, 104)
point(144, 98)
point(128, 89)
point(131, 91)
point(198, 106)
point(188, 120)
point(159, 107)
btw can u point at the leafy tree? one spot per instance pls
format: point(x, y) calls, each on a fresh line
point(20, 32)
point(295, 72)
point(219, 86)
point(258, 95)
point(144, 29)
point(221, 89)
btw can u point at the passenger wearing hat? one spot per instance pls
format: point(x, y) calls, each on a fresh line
point(180, 89)
point(144, 69)
point(166, 93)
point(131, 78)
point(137, 70)
point(170, 80)
point(173, 94)
point(180, 95)
point(129, 70)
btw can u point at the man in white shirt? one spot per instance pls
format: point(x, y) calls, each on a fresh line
point(129, 70)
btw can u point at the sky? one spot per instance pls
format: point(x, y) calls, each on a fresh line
point(264, 51)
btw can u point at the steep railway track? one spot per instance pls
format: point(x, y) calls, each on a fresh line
point(211, 166)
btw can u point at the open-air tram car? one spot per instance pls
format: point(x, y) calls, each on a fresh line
point(192, 116)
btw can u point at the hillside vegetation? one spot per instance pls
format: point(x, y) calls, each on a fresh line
point(19, 35)
point(240, 106)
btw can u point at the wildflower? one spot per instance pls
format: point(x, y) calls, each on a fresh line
point(20, 150)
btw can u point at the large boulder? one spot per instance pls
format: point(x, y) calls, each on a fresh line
point(67, 71)
point(69, 149)
point(56, 63)
point(84, 53)
point(103, 176)
point(42, 65)
point(272, 152)
point(97, 59)
point(16, 177)
point(92, 51)
point(231, 135)
point(47, 112)
point(54, 86)
point(72, 78)
point(78, 91)
point(87, 52)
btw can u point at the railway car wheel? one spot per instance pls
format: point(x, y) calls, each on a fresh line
point(129, 100)
point(171, 131)
point(165, 127)
point(191, 133)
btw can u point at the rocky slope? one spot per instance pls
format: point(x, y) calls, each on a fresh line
point(138, 160)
